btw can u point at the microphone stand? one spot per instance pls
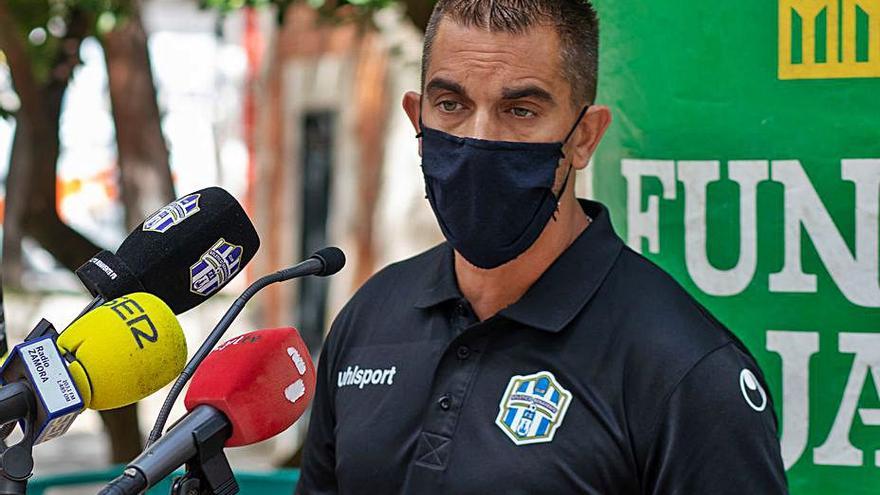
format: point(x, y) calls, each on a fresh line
point(208, 472)
point(17, 463)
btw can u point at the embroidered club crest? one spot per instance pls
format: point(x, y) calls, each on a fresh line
point(172, 214)
point(215, 268)
point(532, 408)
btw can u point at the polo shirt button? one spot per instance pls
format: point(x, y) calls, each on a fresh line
point(445, 402)
point(463, 352)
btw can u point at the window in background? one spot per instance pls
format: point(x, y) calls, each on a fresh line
point(318, 139)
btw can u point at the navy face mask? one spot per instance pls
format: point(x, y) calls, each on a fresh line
point(492, 199)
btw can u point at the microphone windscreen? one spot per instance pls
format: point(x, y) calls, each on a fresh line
point(333, 259)
point(191, 248)
point(262, 381)
point(125, 350)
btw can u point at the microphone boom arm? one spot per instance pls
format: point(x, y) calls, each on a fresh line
point(324, 263)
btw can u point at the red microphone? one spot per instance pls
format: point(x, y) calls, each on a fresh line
point(262, 381)
point(249, 389)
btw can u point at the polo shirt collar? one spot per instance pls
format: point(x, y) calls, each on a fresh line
point(440, 284)
point(560, 293)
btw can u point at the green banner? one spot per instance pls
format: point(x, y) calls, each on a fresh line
point(745, 159)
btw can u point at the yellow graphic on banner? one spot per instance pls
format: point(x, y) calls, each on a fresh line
point(840, 32)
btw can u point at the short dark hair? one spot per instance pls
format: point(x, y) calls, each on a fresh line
point(575, 21)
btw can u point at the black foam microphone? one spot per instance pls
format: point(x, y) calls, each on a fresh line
point(183, 253)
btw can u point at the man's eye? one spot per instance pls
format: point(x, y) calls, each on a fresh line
point(449, 106)
point(522, 113)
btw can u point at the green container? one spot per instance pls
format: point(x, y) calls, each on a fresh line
point(281, 481)
point(745, 159)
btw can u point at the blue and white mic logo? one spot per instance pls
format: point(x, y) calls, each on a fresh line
point(172, 214)
point(217, 266)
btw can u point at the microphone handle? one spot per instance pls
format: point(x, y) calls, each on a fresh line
point(130, 481)
point(177, 447)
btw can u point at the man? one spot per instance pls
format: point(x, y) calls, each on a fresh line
point(533, 353)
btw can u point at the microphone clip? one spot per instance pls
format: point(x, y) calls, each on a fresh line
point(38, 363)
point(42, 329)
point(18, 406)
point(208, 472)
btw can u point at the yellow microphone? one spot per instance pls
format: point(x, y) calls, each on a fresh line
point(124, 350)
point(111, 357)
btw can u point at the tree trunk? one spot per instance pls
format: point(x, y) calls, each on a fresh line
point(123, 430)
point(144, 169)
point(17, 179)
point(31, 187)
point(4, 344)
point(27, 130)
point(145, 174)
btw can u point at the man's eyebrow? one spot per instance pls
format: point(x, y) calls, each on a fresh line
point(440, 84)
point(530, 91)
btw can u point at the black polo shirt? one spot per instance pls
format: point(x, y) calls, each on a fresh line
point(605, 378)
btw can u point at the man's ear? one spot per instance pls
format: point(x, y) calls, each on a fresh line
point(589, 133)
point(412, 105)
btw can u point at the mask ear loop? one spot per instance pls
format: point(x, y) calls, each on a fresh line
point(421, 127)
point(570, 164)
point(420, 135)
point(577, 123)
point(562, 190)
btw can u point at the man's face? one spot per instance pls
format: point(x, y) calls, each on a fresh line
point(503, 87)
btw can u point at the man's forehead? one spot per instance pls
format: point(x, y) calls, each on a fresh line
point(476, 58)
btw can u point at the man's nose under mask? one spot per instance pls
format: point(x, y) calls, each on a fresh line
point(492, 199)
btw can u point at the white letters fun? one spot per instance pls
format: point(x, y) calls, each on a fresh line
point(856, 274)
point(801, 227)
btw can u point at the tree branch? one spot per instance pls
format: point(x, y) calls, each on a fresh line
point(41, 220)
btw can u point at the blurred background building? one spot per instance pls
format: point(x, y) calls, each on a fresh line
point(744, 159)
point(294, 112)
point(293, 109)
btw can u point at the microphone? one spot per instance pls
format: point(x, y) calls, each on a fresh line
point(249, 389)
point(183, 253)
point(324, 263)
point(113, 356)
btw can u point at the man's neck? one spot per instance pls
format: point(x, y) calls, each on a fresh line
point(490, 291)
